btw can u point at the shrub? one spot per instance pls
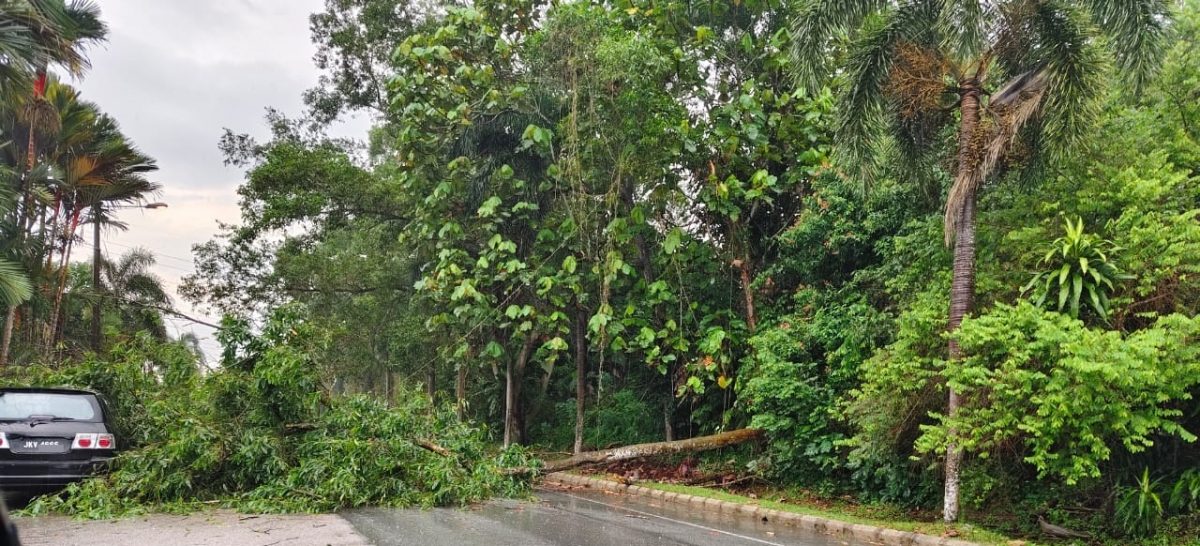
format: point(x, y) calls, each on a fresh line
point(1139, 509)
point(261, 434)
point(1185, 494)
point(1078, 271)
point(1066, 393)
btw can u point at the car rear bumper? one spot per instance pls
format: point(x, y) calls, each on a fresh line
point(17, 474)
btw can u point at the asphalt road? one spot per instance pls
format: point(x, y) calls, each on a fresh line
point(556, 517)
point(575, 518)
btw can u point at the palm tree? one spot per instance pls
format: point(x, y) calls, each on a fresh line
point(37, 33)
point(912, 63)
point(33, 35)
point(137, 293)
point(90, 166)
point(100, 173)
point(192, 342)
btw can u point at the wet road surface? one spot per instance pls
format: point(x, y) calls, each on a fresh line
point(577, 518)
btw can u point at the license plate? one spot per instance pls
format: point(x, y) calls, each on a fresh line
point(39, 445)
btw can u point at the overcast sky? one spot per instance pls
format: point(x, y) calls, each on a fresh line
point(175, 73)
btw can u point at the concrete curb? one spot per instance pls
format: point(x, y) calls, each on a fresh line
point(865, 533)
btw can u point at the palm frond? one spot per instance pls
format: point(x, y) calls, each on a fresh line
point(14, 284)
point(817, 23)
point(964, 28)
point(867, 73)
point(1075, 70)
point(1137, 31)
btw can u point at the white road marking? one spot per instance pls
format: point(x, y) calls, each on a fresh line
point(688, 523)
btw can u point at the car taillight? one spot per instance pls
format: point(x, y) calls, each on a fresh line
point(93, 441)
point(3, 441)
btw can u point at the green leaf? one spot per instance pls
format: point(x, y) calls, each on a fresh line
point(488, 208)
point(1076, 291)
point(672, 241)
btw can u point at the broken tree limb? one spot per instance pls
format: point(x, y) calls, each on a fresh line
point(430, 446)
point(637, 451)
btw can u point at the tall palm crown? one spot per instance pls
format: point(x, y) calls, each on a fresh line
point(36, 33)
point(137, 292)
point(1014, 70)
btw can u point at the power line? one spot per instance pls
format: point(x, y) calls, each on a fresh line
point(156, 253)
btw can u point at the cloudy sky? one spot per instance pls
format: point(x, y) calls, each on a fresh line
point(175, 73)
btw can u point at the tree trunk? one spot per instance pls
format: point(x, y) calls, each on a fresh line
point(581, 353)
point(52, 329)
point(743, 267)
point(430, 382)
point(96, 287)
point(9, 319)
point(460, 392)
point(389, 387)
point(512, 378)
point(669, 413)
point(962, 289)
point(702, 443)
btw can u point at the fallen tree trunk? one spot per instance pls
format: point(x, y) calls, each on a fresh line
point(637, 451)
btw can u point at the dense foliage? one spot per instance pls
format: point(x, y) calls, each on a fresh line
point(644, 192)
point(264, 434)
point(580, 224)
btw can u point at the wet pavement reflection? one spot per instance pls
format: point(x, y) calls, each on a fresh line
point(577, 517)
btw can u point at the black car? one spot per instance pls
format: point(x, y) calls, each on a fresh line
point(50, 438)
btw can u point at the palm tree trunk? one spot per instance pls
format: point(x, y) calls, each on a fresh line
point(53, 231)
point(52, 329)
point(97, 312)
point(962, 288)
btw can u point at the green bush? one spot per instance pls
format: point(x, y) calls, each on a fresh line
point(262, 434)
point(1185, 494)
point(1069, 394)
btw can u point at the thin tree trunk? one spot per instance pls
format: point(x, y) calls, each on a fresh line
point(98, 290)
point(430, 380)
point(508, 403)
point(9, 319)
point(460, 392)
point(743, 267)
point(581, 353)
point(962, 288)
point(52, 327)
point(513, 373)
point(54, 227)
point(668, 414)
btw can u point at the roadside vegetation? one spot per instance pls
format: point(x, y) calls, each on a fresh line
point(263, 434)
point(944, 254)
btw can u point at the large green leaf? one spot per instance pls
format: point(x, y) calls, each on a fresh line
point(14, 284)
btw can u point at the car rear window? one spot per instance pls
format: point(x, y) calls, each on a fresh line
point(22, 405)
